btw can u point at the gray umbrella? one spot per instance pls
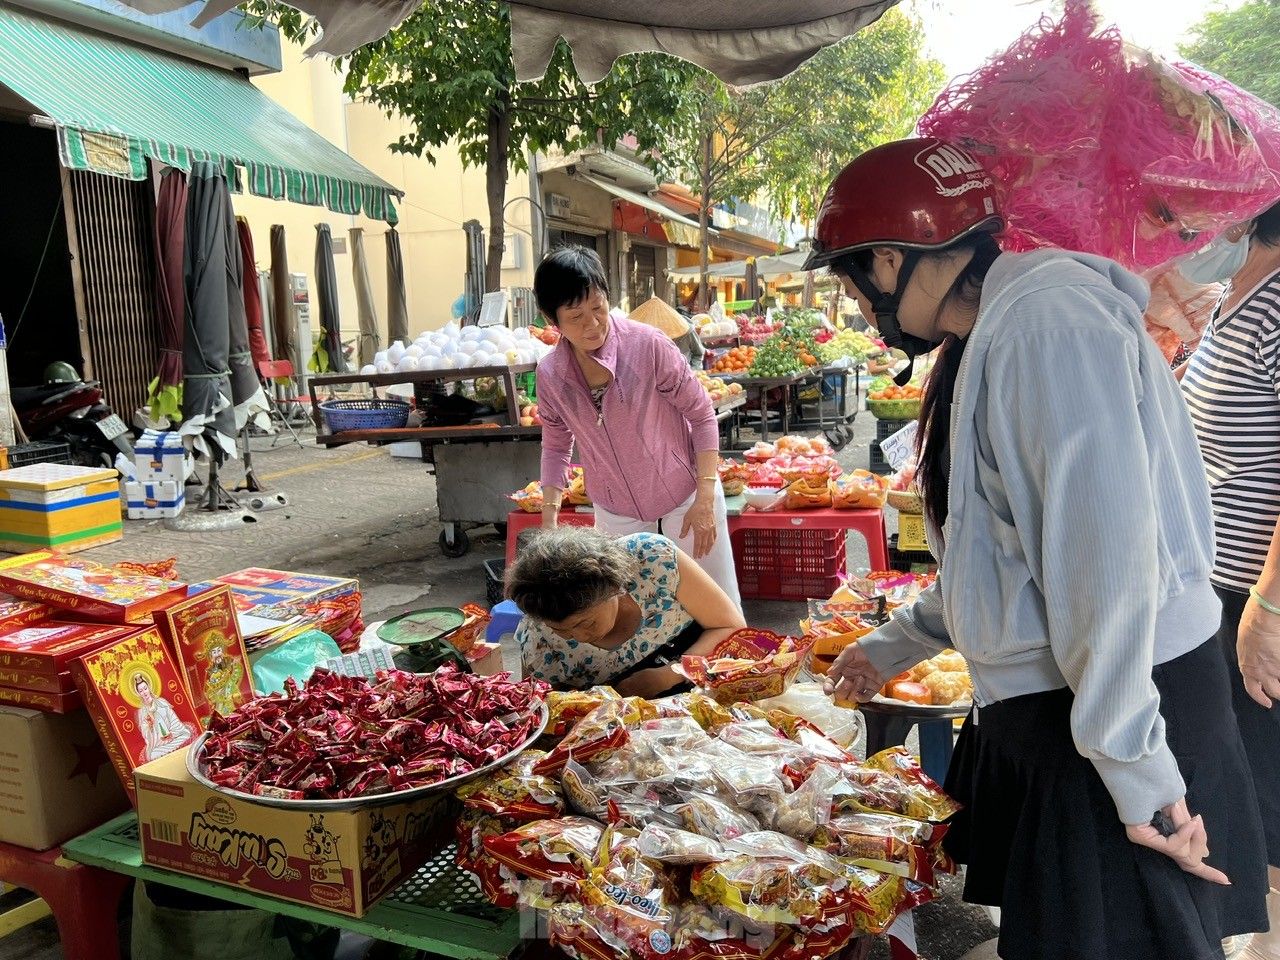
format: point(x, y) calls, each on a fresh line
point(327, 357)
point(206, 391)
point(284, 325)
point(246, 391)
point(397, 307)
point(368, 313)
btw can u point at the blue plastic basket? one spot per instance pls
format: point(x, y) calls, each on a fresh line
point(372, 414)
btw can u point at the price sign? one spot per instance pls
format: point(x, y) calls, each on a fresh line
point(898, 448)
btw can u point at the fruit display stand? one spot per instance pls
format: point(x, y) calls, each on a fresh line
point(437, 909)
point(842, 412)
point(476, 464)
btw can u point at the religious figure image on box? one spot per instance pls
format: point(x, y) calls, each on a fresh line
point(139, 703)
point(205, 634)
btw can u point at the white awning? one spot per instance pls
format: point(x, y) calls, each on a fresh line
point(639, 199)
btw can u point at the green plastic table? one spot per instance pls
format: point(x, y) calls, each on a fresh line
point(438, 909)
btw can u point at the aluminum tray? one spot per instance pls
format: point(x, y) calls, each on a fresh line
point(196, 766)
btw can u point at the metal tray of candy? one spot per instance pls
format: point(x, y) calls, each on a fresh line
point(197, 767)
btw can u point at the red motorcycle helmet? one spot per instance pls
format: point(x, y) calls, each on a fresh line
point(920, 194)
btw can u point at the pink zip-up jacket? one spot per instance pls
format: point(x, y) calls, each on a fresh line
point(638, 454)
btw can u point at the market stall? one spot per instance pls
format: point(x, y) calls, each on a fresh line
point(417, 808)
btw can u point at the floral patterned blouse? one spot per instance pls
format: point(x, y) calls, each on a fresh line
point(569, 664)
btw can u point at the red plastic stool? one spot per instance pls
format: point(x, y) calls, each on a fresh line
point(84, 900)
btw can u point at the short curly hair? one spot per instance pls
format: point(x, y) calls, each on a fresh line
point(564, 571)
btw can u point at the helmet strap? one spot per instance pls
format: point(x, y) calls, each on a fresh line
point(885, 307)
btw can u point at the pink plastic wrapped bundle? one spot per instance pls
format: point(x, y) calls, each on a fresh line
point(1179, 310)
point(1102, 147)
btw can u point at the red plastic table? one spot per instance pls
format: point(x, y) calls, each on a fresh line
point(83, 899)
point(869, 523)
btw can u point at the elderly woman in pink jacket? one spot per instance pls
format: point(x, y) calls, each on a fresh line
point(645, 430)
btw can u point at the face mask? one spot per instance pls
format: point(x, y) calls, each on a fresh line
point(1219, 261)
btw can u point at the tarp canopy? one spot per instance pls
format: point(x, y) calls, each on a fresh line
point(767, 268)
point(639, 199)
point(123, 104)
point(740, 41)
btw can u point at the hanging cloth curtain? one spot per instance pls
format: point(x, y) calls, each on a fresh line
point(285, 329)
point(397, 306)
point(247, 397)
point(206, 390)
point(252, 294)
point(369, 337)
point(327, 356)
point(164, 395)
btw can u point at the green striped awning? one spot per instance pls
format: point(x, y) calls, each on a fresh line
point(115, 104)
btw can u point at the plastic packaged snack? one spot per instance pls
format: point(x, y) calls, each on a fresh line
point(566, 707)
point(887, 843)
point(807, 494)
point(711, 816)
point(709, 714)
point(678, 847)
point(808, 807)
point(859, 490)
point(840, 725)
point(893, 782)
point(515, 791)
point(599, 734)
point(751, 781)
point(564, 849)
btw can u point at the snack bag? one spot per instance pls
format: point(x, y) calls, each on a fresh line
point(515, 792)
point(678, 847)
point(815, 471)
point(547, 850)
point(567, 707)
point(892, 782)
point(634, 897)
point(709, 715)
point(751, 781)
point(807, 494)
point(775, 879)
point(880, 898)
point(710, 816)
point(575, 495)
point(859, 490)
point(747, 666)
point(599, 734)
point(472, 630)
point(803, 811)
point(530, 498)
point(887, 843)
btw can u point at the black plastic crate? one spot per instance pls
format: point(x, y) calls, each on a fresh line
point(878, 464)
point(39, 451)
point(910, 561)
point(887, 428)
point(494, 581)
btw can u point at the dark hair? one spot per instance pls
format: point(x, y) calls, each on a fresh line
point(140, 678)
point(1266, 226)
point(567, 276)
point(566, 570)
point(932, 453)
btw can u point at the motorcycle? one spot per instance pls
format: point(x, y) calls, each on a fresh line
point(76, 414)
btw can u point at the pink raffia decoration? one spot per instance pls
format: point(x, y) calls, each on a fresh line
point(1102, 147)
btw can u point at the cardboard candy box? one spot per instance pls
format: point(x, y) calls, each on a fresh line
point(339, 860)
point(87, 588)
point(137, 700)
point(750, 665)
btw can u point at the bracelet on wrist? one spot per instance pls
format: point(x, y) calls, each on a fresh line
point(1262, 602)
point(707, 479)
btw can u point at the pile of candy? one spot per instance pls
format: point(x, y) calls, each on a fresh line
point(340, 737)
point(683, 828)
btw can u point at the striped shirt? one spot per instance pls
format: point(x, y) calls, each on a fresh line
point(1232, 386)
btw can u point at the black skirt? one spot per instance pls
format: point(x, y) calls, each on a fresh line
point(1042, 840)
point(1259, 726)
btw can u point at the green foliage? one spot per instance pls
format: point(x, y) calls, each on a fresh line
point(1240, 45)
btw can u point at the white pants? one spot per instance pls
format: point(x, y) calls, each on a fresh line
point(718, 563)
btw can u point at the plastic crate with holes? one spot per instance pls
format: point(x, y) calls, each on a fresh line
point(38, 451)
point(788, 564)
point(494, 581)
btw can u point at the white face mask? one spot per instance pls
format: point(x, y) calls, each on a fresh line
point(1217, 262)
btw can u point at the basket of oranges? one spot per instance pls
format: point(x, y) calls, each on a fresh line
point(893, 402)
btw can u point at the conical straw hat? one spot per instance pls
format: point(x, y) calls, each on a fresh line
point(661, 315)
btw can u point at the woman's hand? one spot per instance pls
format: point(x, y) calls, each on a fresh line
point(1188, 846)
point(649, 683)
point(852, 677)
point(701, 519)
point(1258, 647)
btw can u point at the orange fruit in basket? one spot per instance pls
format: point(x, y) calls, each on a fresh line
point(909, 691)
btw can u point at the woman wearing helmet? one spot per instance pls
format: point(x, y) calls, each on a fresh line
point(1062, 482)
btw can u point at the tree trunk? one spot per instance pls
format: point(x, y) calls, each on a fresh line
point(496, 163)
point(704, 225)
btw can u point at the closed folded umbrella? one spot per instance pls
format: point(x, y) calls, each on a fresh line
point(252, 294)
point(327, 356)
point(247, 398)
point(285, 328)
point(206, 393)
point(397, 305)
point(369, 337)
point(164, 396)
